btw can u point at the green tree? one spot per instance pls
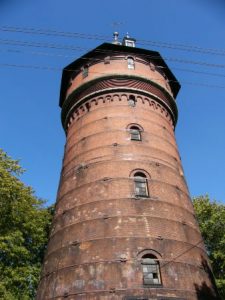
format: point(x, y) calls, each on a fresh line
point(211, 218)
point(24, 227)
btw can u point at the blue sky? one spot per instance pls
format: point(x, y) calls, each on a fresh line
point(30, 127)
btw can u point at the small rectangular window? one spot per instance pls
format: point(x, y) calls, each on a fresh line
point(107, 60)
point(130, 63)
point(85, 72)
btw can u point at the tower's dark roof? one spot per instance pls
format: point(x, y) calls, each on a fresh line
point(108, 48)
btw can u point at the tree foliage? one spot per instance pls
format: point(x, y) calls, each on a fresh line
point(24, 226)
point(211, 218)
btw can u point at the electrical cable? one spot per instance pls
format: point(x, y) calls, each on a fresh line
point(41, 45)
point(78, 48)
point(31, 67)
point(183, 47)
point(182, 253)
point(50, 32)
point(198, 72)
point(58, 69)
point(67, 56)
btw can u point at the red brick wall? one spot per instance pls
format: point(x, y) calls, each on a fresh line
point(100, 227)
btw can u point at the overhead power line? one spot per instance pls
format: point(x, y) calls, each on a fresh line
point(48, 68)
point(182, 253)
point(198, 72)
point(38, 53)
point(41, 45)
point(50, 32)
point(78, 48)
point(194, 62)
point(16, 51)
point(58, 69)
point(183, 47)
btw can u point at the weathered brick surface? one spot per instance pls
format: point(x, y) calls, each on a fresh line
point(118, 65)
point(100, 227)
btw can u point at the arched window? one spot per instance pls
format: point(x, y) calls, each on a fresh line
point(140, 184)
point(130, 63)
point(135, 133)
point(150, 269)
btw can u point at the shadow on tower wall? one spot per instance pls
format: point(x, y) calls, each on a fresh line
point(203, 291)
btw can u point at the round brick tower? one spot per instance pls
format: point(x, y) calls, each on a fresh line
point(124, 225)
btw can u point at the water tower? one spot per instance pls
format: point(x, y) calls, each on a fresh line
point(124, 225)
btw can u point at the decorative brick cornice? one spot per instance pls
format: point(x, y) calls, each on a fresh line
point(118, 83)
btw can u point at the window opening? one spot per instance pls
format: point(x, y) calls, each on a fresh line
point(152, 66)
point(135, 133)
point(150, 269)
point(131, 101)
point(85, 71)
point(107, 60)
point(140, 183)
point(130, 63)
